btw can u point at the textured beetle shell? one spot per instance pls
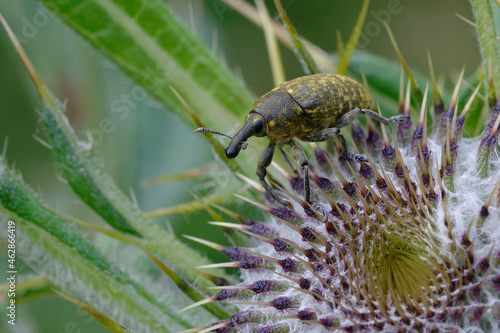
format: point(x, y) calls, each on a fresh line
point(307, 105)
point(326, 95)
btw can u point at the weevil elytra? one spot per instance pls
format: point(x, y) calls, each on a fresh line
point(311, 108)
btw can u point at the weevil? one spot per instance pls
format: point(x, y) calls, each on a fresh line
point(311, 108)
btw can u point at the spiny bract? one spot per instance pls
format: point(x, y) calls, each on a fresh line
point(409, 243)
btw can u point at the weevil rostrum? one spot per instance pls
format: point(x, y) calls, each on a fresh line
point(311, 108)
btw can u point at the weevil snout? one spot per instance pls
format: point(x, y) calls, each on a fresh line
point(234, 147)
point(232, 153)
point(255, 124)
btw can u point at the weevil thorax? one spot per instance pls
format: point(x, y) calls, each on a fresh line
point(273, 115)
point(281, 114)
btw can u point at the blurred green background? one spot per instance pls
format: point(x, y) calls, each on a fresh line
point(147, 141)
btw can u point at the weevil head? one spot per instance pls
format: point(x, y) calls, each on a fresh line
point(255, 124)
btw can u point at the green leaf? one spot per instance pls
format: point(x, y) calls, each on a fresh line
point(82, 170)
point(488, 41)
point(75, 275)
point(146, 41)
point(86, 175)
point(29, 289)
point(187, 288)
point(150, 45)
point(73, 253)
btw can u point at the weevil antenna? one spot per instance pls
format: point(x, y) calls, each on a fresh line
point(244, 145)
point(206, 130)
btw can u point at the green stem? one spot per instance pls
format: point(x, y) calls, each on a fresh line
point(272, 44)
point(485, 25)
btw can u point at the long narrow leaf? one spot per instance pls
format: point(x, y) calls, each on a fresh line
point(19, 203)
point(150, 45)
point(86, 175)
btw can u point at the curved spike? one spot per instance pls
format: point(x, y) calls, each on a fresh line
point(461, 119)
point(444, 200)
point(337, 172)
point(496, 126)
point(495, 111)
point(424, 106)
point(242, 219)
point(390, 186)
point(406, 68)
point(485, 147)
point(199, 303)
point(42, 89)
point(438, 102)
point(205, 242)
point(424, 139)
point(281, 170)
point(380, 179)
point(373, 141)
point(251, 182)
point(484, 213)
point(404, 128)
point(239, 287)
point(491, 85)
point(448, 114)
point(287, 264)
point(384, 132)
point(357, 134)
point(243, 229)
point(388, 150)
point(401, 95)
point(454, 97)
point(449, 169)
point(453, 126)
point(192, 330)
point(418, 134)
point(345, 53)
point(490, 198)
point(227, 225)
point(235, 264)
point(255, 203)
point(215, 327)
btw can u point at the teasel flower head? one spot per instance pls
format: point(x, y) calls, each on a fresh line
point(409, 242)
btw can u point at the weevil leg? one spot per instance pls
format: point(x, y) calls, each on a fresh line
point(290, 165)
point(300, 157)
point(327, 134)
point(335, 132)
point(351, 115)
point(265, 160)
point(355, 113)
point(346, 120)
point(324, 135)
point(358, 157)
point(398, 119)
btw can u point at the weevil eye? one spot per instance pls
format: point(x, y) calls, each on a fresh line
point(258, 126)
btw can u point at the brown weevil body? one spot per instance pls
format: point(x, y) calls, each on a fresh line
point(311, 108)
